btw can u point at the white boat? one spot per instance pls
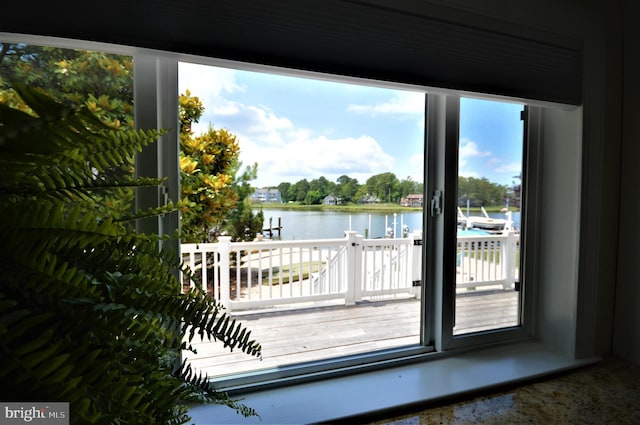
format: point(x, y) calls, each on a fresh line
point(483, 222)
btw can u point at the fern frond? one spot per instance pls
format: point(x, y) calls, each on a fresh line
point(91, 312)
point(112, 147)
point(202, 389)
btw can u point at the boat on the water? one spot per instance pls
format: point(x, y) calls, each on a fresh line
point(484, 222)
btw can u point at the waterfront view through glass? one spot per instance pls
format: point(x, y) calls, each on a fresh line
point(315, 143)
point(316, 283)
point(312, 142)
point(490, 164)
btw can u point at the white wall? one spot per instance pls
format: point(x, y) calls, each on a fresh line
point(559, 209)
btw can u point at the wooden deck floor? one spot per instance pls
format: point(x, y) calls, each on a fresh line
point(297, 336)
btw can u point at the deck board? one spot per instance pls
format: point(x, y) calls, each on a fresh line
point(304, 335)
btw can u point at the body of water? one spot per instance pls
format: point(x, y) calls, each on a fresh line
point(299, 225)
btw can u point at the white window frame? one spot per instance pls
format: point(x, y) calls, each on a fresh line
point(445, 295)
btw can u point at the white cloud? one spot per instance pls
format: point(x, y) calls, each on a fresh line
point(248, 123)
point(287, 153)
point(207, 81)
point(469, 149)
point(401, 103)
point(265, 120)
point(311, 157)
point(417, 159)
point(490, 166)
point(413, 168)
point(229, 108)
point(283, 151)
point(514, 167)
point(467, 174)
point(210, 84)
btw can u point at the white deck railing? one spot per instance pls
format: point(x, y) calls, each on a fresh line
point(487, 261)
point(260, 274)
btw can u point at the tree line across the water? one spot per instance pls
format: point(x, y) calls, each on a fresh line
point(386, 187)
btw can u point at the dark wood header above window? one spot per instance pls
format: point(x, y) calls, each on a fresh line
point(354, 38)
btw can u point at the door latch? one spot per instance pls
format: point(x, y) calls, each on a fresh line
point(436, 203)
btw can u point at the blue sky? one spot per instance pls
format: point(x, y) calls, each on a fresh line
point(490, 140)
point(297, 128)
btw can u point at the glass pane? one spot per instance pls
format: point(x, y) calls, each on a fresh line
point(314, 227)
point(489, 210)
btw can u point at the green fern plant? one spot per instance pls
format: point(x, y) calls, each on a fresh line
point(91, 312)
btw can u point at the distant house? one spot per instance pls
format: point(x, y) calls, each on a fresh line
point(331, 200)
point(370, 199)
point(266, 195)
point(414, 200)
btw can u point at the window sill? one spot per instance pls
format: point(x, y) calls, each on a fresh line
point(397, 387)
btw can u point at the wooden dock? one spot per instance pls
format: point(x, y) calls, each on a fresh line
point(304, 335)
point(271, 228)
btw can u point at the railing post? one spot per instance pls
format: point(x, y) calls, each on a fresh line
point(203, 273)
point(415, 263)
point(354, 266)
point(509, 263)
point(224, 249)
point(358, 277)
